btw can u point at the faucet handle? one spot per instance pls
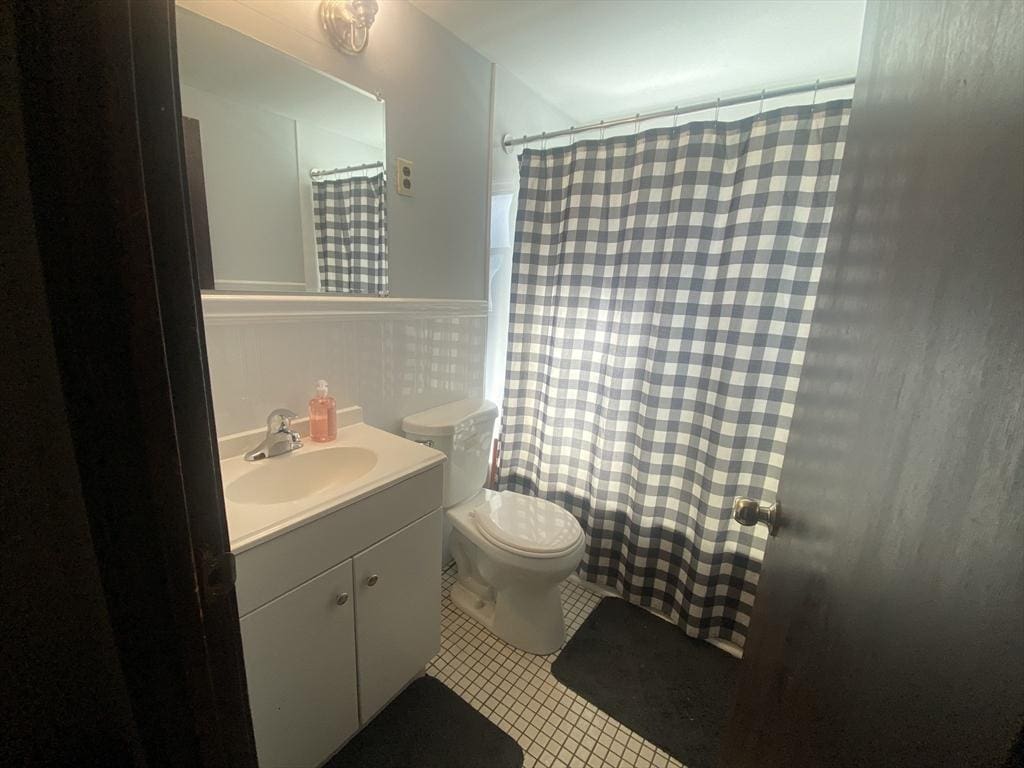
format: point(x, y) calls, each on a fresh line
point(280, 420)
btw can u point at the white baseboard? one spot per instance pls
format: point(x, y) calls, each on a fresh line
point(260, 286)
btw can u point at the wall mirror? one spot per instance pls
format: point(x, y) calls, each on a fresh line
point(286, 169)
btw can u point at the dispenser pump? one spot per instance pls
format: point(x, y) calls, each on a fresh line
point(323, 415)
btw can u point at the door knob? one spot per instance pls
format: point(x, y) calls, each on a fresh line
point(372, 580)
point(751, 512)
point(342, 598)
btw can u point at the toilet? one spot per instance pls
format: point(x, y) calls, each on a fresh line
point(512, 551)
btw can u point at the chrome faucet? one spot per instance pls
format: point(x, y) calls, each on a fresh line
point(281, 438)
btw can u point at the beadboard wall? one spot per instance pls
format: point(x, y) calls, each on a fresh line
point(393, 357)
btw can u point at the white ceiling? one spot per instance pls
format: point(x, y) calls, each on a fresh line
point(598, 58)
point(222, 61)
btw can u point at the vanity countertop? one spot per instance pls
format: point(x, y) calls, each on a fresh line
point(250, 524)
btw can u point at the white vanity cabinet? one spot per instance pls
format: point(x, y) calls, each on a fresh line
point(398, 588)
point(300, 662)
point(338, 615)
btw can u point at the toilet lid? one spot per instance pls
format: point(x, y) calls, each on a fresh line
point(526, 524)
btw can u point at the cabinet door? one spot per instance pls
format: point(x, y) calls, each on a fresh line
point(398, 610)
point(300, 662)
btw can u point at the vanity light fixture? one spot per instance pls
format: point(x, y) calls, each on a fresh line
point(347, 23)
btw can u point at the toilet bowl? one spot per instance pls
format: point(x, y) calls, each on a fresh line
point(512, 551)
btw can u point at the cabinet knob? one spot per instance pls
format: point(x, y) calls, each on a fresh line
point(372, 580)
point(342, 598)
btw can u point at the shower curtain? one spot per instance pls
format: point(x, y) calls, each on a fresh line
point(662, 292)
point(350, 221)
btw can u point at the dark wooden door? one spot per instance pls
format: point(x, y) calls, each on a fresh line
point(199, 218)
point(889, 623)
point(111, 293)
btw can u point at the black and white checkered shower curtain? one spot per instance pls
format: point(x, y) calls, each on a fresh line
point(662, 292)
point(350, 220)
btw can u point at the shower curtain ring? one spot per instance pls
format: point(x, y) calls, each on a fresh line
point(761, 108)
point(718, 106)
point(543, 141)
point(814, 97)
point(675, 116)
point(637, 128)
point(601, 126)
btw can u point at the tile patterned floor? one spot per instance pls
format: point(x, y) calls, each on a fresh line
point(517, 692)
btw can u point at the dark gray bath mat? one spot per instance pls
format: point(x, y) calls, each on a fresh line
point(429, 726)
point(646, 673)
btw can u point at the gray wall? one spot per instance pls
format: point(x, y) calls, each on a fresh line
point(437, 91)
point(255, 231)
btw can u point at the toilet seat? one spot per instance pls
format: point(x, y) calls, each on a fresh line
point(525, 525)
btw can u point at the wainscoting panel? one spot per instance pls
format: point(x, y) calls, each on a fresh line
point(393, 357)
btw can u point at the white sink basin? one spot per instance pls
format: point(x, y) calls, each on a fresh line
point(267, 498)
point(299, 475)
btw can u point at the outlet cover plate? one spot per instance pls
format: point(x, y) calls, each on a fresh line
point(403, 177)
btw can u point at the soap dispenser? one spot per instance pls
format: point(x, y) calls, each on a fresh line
point(323, 415)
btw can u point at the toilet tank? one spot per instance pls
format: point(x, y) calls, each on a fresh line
point(462, 431)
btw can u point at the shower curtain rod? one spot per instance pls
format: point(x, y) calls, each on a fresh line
point(315, 172)
point(507, 142)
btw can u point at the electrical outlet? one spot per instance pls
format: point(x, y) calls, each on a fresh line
point(403, 178)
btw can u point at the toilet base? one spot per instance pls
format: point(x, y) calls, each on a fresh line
point(526, 616)
point(471, 604)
